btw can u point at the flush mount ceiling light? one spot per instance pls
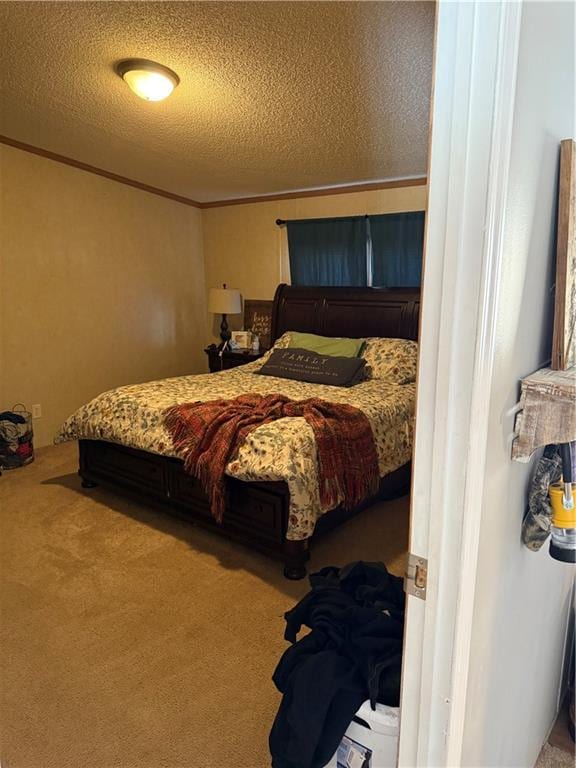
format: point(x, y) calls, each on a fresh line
point(149, 80)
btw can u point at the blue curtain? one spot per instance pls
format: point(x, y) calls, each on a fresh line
point(328, 251)
point(397, 243)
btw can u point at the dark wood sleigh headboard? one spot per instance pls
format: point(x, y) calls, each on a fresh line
point(349, 312)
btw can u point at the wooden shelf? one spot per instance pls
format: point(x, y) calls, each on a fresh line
point(547, 411)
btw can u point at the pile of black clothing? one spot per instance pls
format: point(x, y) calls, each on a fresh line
point(353, 653)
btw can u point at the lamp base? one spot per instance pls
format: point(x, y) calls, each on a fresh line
point(225, 334)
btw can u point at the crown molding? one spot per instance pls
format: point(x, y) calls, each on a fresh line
point(417, 181)
point(97, 171)
point(317, 192)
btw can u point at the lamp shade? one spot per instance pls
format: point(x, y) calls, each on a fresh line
point(224, 301)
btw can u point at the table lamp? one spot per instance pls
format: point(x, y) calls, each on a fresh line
point(224, 301)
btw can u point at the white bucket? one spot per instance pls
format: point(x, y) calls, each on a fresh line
point(373, 744)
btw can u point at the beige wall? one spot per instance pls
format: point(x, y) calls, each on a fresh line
point(100, 285)
point(244, 248)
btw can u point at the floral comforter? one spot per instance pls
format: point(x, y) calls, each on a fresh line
point(283, 450)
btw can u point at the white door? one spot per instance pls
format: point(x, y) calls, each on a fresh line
point(472, 111)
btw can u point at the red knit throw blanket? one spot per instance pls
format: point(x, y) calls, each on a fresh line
point(208, 435)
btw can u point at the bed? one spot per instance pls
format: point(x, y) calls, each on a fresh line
point(123, 444)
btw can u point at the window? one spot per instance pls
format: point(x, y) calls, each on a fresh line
point(328, 251)
point(383, 251)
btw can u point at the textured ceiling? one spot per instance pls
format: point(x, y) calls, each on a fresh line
point(274, 96)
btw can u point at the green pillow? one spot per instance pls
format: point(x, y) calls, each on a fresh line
point(326, 345)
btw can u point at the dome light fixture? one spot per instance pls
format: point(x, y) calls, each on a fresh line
point(148, 80)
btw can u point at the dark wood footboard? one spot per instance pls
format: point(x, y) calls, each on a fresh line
point(256, 513)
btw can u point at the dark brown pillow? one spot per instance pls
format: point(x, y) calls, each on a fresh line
point(304, 365)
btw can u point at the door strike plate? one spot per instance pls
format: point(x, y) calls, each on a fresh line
point(416, 578)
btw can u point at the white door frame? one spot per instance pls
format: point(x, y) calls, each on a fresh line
point(472, 116)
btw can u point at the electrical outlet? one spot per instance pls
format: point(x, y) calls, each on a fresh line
point(37, 411)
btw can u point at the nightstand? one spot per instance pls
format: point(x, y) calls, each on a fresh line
point(230, 359)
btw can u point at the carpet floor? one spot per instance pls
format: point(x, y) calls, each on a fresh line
point(551, 757)
point(133, 640)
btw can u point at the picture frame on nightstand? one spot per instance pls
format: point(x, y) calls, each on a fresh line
point(241, 340)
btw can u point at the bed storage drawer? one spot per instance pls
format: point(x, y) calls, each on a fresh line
point(255, 512)
point(133, 469)
point(248, 510)
point(186, 491)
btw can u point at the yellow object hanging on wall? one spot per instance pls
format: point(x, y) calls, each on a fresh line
point(561, 517)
